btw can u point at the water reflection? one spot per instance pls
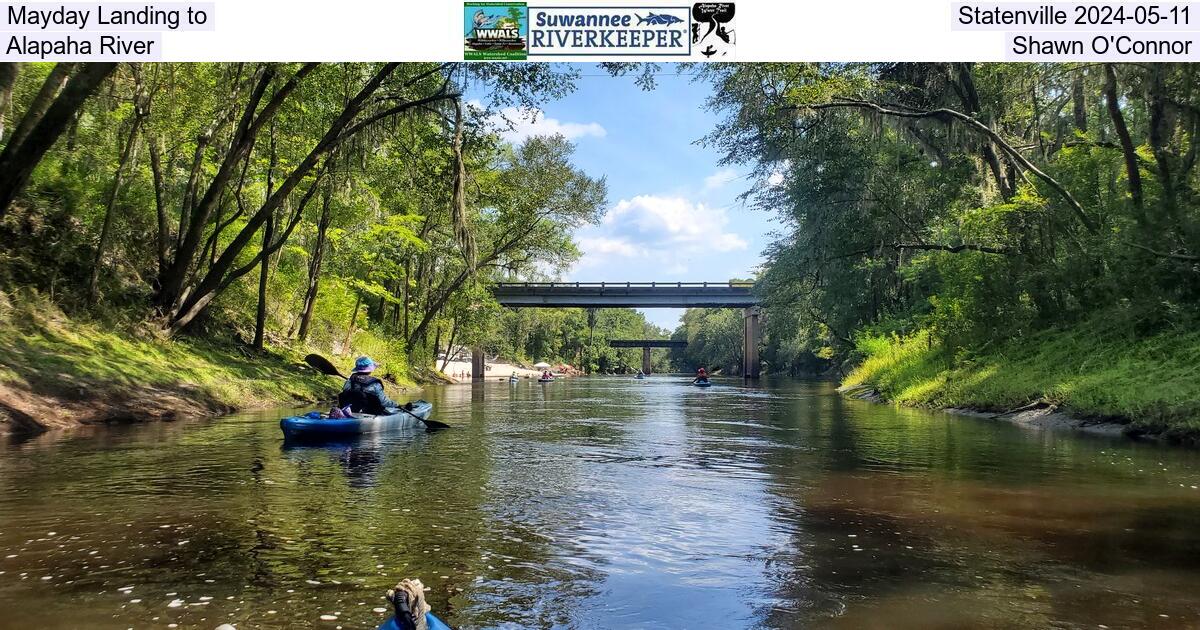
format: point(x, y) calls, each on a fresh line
point(598, 503)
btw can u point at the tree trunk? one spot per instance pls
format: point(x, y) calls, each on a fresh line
point(1161, 127)
point(437, 342)
point(22, 154)
point(346, 126)
point(8, 78)
point(160, 202)
point(1078, 102)
point(353, 316)
point(260, 316)
point(407, 268)
point(341, 129)
point(969, 97)
point(314, 266)
point(222, 274)
point(1127, 150)
point(141, 109)
point(170, 298)
point(128, 157)
point(458, 203)
point(51, 86)
point(450, 343)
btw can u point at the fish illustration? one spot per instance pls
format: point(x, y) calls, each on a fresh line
point(657, 19)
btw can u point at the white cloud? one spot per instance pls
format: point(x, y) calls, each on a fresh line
point(672, 222)
point(517, 124)
point(601, 251)
point(657, 237)
point(719, 179)
point(604, 246)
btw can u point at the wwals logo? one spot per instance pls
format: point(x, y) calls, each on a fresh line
point(495, 30)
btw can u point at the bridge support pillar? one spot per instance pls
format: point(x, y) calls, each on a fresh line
point(751, 366)
point(477, 365)
point(646, 360)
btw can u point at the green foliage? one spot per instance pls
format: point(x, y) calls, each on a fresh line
point(369, 252)
point(46, 352)
point(955, 207)
point(1094, 368)
point(565, 336)
point(714, 338)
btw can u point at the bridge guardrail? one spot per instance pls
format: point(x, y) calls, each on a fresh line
point(616, 285)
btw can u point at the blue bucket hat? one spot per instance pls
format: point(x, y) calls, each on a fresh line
point(364, 365)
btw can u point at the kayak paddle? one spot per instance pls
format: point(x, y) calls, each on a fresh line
point(324, 366)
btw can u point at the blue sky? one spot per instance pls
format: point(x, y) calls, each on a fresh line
point(673, 213)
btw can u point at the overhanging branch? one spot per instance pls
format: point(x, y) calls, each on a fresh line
point(971, 122)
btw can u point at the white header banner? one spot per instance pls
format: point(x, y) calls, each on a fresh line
point(753, 30)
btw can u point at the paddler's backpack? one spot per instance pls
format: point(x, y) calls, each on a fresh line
point(357, 397)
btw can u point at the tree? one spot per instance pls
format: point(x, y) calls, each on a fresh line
point(61, 96)
point(974, 200)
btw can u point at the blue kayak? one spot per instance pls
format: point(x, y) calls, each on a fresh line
point(702, 384)
point(433, 622)
point(317, 426)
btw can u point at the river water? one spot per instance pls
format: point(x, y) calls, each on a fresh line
point(605, 503)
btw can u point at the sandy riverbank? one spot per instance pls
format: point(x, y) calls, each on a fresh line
point(460, 371)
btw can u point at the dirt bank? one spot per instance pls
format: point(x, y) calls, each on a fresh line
point(57, 372)
point(23, 410)
point(41, 400)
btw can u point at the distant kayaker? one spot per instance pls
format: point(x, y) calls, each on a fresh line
point(701, 375)
point(364, 393)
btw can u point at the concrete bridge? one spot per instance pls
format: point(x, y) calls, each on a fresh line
point(626, 294)
point(646, 345)
point(637, 295)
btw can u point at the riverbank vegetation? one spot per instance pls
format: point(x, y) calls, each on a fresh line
point(1099, 369)
point(967, 228)
point(60, 371)
point(342, 208)
point(997, 212)
point(574, 336)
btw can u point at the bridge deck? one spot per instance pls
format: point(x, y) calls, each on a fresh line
point(626, 294)
point(646, 343)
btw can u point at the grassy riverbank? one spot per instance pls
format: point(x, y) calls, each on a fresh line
point(1095, 370)
point(57, 372)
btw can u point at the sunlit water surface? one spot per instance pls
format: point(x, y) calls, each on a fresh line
point(605, 503)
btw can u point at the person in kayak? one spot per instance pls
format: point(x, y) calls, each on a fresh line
point(701, 376)
point(364, 393)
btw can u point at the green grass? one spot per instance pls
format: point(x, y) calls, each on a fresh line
point(1092, 369)
point(46, 353)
